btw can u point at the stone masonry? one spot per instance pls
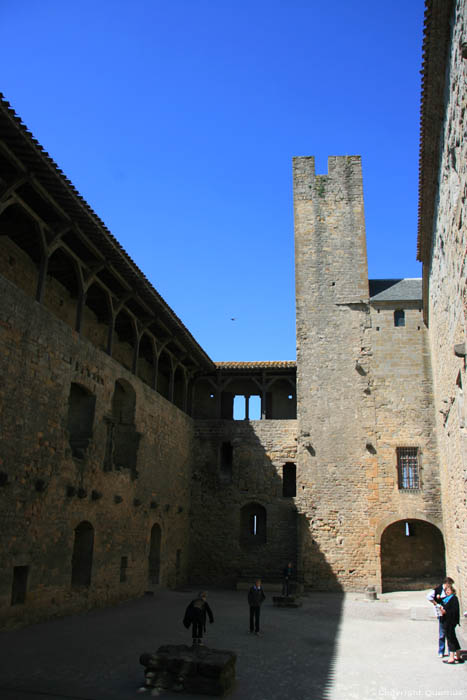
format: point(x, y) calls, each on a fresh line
point(443, 251)
point(124, 462)
point(363, 387)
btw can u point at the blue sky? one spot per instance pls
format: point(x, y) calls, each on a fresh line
point(177, 121)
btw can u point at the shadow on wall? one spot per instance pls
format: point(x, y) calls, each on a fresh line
point(245, 524)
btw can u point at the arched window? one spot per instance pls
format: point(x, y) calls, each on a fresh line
point(81, 563)
point(253, 524)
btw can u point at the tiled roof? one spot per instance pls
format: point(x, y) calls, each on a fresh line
point(409, 289)
point(256, 365)
point(38, 162)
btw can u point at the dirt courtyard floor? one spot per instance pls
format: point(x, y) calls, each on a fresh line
point(336, 646)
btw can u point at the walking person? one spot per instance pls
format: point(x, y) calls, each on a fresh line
point(255, 600)
point(450, 614)
point(195, 615)
point(435, 596)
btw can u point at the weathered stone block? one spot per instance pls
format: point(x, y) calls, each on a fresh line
point(190, 669)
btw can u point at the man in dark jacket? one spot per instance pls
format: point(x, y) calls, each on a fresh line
point(195, 615)
point(255, 599)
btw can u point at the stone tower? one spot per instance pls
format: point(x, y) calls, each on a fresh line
point(334, 403)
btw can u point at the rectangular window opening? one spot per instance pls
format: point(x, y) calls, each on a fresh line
point(239, 408)
point(20, 585)
point(408, 468)
point(289, 480)
point(254, 408)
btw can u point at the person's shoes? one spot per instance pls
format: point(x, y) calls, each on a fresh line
point(252, 632)
point(440, 656)
point(258, 634)
point(200, 643)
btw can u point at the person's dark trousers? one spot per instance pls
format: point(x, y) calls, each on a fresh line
point(197, 630)
point(441, 637)
point(254, 618)
point(453, 642)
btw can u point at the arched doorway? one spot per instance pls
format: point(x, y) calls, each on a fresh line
point(81, 562)
point(155, 555)
point(412, 555)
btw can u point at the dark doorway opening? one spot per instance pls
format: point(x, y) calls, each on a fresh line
point(412, 556)
point(20, 585)
point(81, 563)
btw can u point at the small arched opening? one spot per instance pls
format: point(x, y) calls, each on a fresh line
point(412, 555)
point(81, 563)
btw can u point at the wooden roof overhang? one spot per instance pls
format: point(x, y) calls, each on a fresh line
point(262, 373)
point(32, 179)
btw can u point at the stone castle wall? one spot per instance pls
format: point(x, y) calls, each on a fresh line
point(221, 549)
point(361, 392)
point(448, 303)
point(46, 491)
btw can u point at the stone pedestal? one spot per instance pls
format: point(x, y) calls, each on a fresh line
point(197, 670)
point(286, 601)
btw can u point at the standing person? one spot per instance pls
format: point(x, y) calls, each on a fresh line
point(287, 573)
point(195, 615)
point(434, 597)
point(255, 600)
point(450, 613)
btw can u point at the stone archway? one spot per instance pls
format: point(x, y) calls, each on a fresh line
point(412, 555)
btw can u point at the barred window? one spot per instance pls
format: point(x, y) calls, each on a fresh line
point(407, 467)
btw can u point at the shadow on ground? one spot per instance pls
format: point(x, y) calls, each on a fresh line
point(95, 655)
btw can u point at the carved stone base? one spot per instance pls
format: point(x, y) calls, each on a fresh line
point(197, 670)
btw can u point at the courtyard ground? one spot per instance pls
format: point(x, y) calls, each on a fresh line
point(334, 647)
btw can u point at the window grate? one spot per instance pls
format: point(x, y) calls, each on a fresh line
point(407, 467)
